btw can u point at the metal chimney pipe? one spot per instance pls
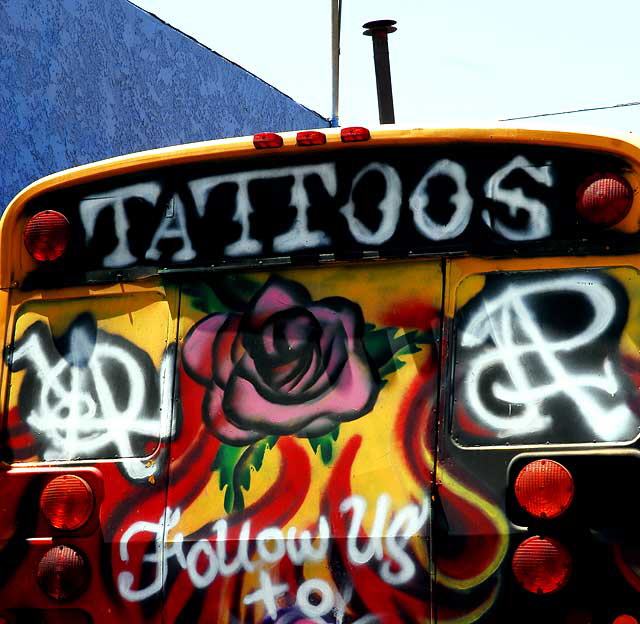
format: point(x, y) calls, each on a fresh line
point(378, 31)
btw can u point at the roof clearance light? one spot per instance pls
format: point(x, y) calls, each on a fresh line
point(541, 565)
point(544, 488)
point(311, 137)
point(46, 235)
point(63, 573)
point(264, 140)
point(67, 502)
point(353, 134)
point(604, 199)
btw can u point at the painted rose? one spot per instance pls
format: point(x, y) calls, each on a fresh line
point(288, 365)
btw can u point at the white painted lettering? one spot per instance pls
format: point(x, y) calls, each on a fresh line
point(539, 225)
point(173, 225)
point(315, 587)
point(93, 205)
point(507, 322)
point(461, 199)
point(389, 207)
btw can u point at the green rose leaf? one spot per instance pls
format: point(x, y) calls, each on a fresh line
point(203, 297)
point(325, 443)
point(385, 345)
point(234, 465)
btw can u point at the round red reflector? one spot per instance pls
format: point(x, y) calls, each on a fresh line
point(311, 137)
point(544, 488)
point(541, 565)
point(604, 199)
point(46, 235)
point(625, 619)
point(355, 133)
point(67, 502)
point(63, 573)
point(263, 140)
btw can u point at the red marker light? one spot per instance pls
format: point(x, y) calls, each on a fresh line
point(67, 502)
point(264, 140)
point(541, 565)
point(311, 137)
point(356, 133)
point(63, 573)
point(604, 199)
point(544, 488)
point(46, 235)
point(625, 619)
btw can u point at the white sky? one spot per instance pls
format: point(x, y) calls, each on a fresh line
point(454, 63)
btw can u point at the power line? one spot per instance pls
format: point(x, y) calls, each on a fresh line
point(569, 112)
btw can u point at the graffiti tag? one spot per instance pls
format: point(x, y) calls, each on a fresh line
point(98, 394)
point(386, 546)
point(183, 212)
point(530, 360)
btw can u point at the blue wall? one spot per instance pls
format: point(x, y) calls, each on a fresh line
point(82, 80)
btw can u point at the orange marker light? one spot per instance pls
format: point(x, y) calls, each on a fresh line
point(544, 488)
point(67, 502)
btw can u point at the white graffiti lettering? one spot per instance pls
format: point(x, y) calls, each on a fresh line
point(389, 207)
point(267, 594)
point(386, 545)
point(511, 332)
point(300, 236)
point(93, 205)
point(75, 404)
point(173, 225)
point(460, 199)
point(539, 221)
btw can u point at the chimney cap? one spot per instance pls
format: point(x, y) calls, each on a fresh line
point(379, 26)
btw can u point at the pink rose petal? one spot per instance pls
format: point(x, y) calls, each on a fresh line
point(221, 427)
point(350, 397)
point(277, 295)
point(197, 349)
point(223, 350)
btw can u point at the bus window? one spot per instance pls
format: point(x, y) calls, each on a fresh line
point(89, 377)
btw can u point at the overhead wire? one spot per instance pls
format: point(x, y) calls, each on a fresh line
point(569, 112)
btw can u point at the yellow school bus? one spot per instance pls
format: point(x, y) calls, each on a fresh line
point(340, 376)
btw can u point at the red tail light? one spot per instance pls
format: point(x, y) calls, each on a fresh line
point(264, 140)
point(63, 573)
point(625, 619)
point(353, 134)
point(544, 488)
point(67, 502)
point(541, 565)
point(604, 199)
point(46, 235)
point(311, 137)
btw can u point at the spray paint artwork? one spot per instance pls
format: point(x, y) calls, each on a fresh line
point(537, 360)
point(292, 380)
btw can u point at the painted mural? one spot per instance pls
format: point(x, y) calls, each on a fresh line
point(279, 447)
